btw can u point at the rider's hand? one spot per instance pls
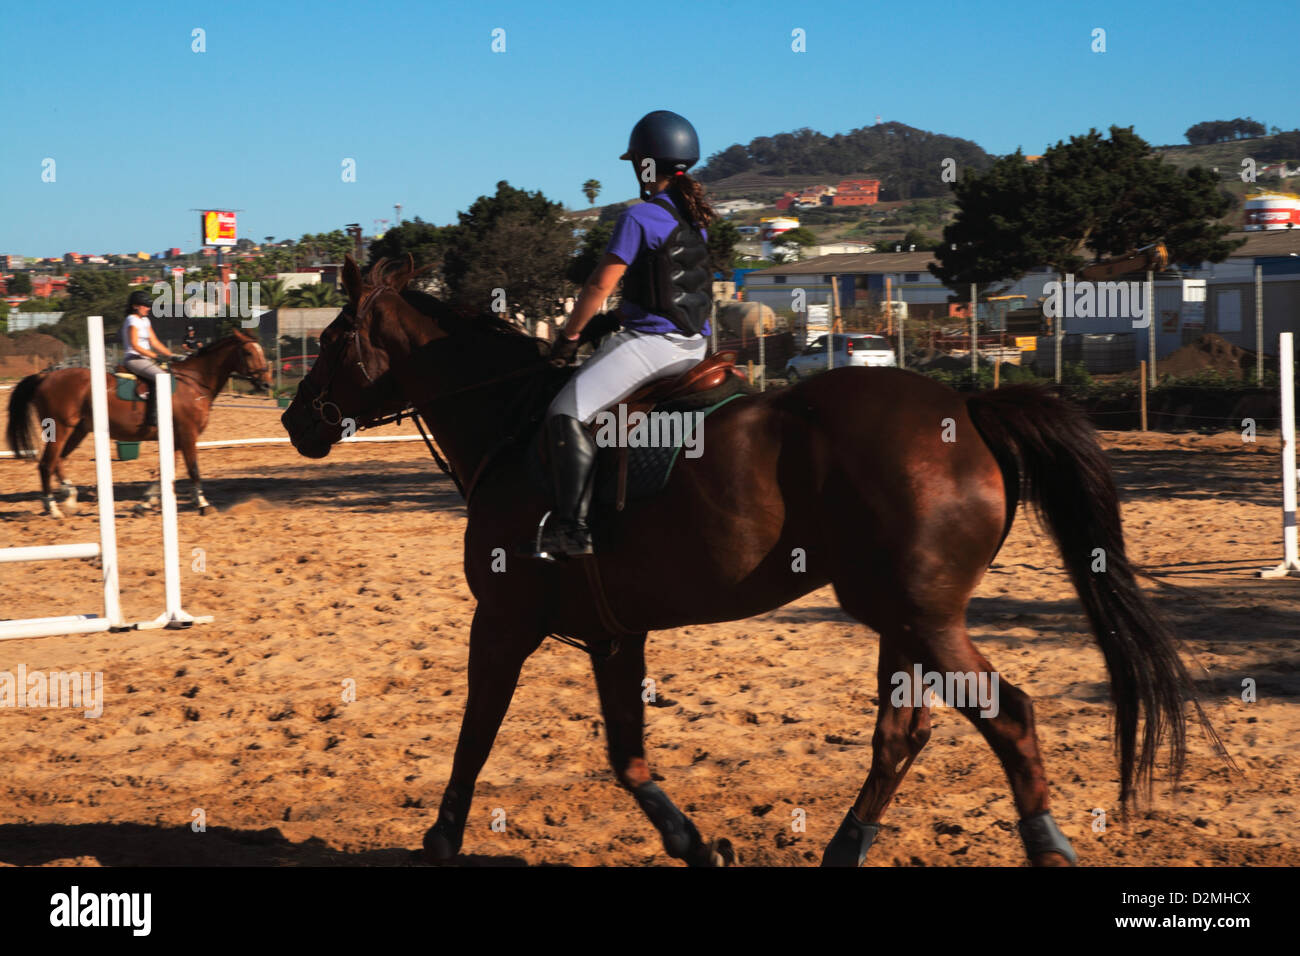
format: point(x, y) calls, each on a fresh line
point(563, 349)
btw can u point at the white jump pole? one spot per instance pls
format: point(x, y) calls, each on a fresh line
point(50, 552)
point(174, 616)
point(106, 548)
point(104, 471)
point(1290, 544)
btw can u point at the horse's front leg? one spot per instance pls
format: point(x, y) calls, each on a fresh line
point(498, 647)
point(620, 681)
point(191, 453)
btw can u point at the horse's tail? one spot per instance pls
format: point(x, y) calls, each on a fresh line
point(1049, 453)
point(19, 431)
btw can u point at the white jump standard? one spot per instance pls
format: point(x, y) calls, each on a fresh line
point(174, 616)
point(1290, 545)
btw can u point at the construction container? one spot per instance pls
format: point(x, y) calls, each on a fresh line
point(1100, 353)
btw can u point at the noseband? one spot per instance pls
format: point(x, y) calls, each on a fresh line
point(324, 409)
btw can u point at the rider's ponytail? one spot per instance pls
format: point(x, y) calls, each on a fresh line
point(688, 193)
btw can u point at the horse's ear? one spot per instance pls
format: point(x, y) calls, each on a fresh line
point(402, 275)
point(352, 280)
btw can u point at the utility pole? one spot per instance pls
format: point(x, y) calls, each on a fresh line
point(1151, 325)
point(1259, 325)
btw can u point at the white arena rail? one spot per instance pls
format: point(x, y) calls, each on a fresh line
point(105, 549)
point(1290, 545)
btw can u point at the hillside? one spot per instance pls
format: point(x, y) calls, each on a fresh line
point(902, 157)
point(890, 219)
point(1228, 156)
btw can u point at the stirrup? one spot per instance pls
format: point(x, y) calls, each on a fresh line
point(542, 554)
point(538, 553)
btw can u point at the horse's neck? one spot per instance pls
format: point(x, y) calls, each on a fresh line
point(213, 370)
point(467, 426)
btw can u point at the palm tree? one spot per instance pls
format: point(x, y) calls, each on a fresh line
point(591, 189)
point(273, 294)
point(318, 295)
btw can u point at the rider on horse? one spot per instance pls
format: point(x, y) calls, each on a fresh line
point(143, 348)
point(667, 297)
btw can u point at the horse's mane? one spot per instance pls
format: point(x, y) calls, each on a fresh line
point(483, 328)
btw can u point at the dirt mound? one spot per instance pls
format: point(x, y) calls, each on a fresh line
point(1209, 353)
point(32, 343)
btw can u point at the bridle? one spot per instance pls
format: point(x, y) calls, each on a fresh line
point(179, 370)
point(321, 404)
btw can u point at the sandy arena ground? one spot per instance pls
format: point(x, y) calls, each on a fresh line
point(350, 568)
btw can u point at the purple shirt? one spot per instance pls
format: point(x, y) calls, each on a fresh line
point(645, 225)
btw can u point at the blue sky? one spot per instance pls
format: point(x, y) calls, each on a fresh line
point(142, 129)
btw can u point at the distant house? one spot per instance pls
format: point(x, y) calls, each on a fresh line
point(44, 287)
point(856, 192)
point(1278, 170)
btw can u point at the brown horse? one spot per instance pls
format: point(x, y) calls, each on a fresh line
point(891, 487)
point(62, 397)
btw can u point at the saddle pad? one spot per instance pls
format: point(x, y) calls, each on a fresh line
point(648, 468)
point(126, 386)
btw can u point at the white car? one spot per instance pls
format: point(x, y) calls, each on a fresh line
point(860, 349)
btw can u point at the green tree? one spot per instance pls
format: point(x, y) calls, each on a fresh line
point(722, 245)
point(801, 237)
point(591, 189)
point(20, 284)
point(273, 294)
point(592, 247)
point(922, 242)
point(513, 241)
point(424, 241)
point(1002, 228)
point(1085, 200)
point(316, 295)
point(51, 304)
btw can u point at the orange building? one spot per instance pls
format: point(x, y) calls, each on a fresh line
point(856, 192)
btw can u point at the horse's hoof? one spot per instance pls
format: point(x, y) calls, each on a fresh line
point(724, 854)
point(715, 853)
point(438, 849)
point(206, 507)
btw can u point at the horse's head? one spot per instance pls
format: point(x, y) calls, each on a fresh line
point(351, 385)
point(253, 366)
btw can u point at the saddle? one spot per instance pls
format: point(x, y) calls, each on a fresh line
point(624, 472)
point(130, 388)
point(710, 373)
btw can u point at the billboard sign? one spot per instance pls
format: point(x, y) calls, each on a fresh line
point(217, 228)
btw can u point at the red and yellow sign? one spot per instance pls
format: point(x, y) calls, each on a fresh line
point(217, 227)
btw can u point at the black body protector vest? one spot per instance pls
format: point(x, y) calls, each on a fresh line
point(674, 280)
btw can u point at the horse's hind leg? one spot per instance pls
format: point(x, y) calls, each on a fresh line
point(51, 468)
point(1005, 718)
point(79, 432)
point(619, 680)
point(498, 648)
point(901, 732)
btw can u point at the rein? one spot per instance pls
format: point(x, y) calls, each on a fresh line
point(321, 404)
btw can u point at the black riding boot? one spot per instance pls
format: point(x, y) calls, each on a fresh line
point(573, 459)
point(151, 408)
